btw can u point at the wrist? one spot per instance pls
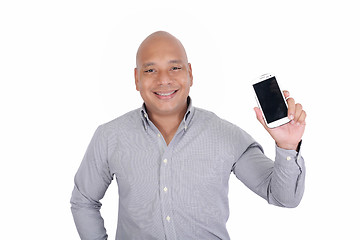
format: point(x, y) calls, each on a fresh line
point(288, 146)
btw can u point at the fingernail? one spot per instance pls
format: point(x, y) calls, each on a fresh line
point(291, 117)
point(293, 122)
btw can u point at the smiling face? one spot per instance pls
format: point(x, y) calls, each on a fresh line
point(163, 75)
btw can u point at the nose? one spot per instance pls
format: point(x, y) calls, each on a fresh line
point(164, 78)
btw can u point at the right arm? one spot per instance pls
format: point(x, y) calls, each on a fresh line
point(91, 182)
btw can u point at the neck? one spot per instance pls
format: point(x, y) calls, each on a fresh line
point(167, 124)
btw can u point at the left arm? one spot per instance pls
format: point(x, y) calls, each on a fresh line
point(280, 182)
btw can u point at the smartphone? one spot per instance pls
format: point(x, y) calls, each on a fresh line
point(271, 100)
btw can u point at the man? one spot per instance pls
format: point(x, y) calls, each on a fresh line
point(172, 161)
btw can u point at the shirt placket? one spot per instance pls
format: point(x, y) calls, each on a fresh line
point(165, 181)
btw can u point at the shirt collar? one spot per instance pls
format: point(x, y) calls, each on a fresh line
point(186, 121)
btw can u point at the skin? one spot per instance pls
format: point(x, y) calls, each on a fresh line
point(162, 68)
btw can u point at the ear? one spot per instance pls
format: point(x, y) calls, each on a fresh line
point(190, 74)
point(136, 76)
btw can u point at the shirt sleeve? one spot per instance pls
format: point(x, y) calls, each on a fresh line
point(280, 182)
point(91, 182)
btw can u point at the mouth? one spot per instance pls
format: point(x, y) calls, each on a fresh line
point(165, 95)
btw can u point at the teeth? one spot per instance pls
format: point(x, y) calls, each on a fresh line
point(165, 94)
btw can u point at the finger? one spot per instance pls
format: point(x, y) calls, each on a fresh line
point(302, 118)
point(286, 94)
point(298, 111)
point(259, 116)
point(291, 108)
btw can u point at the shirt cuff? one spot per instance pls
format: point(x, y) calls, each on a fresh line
point(287, 158)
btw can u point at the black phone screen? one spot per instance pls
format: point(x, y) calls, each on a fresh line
point(271, 100)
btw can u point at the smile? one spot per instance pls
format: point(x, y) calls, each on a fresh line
point(165, 94)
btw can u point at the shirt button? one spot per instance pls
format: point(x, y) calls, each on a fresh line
point(288, 158)
point(168, 218)
point(145, 115)
point(159, 135)
point(165, 160)
point(165, 189)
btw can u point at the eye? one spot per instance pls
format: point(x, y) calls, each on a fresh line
point(175, 68)
point(149, 71)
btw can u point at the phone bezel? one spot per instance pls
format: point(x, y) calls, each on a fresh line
point(280, 121)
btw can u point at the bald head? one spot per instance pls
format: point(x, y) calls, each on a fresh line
point(156, 44)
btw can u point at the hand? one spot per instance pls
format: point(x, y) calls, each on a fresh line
point(288, 135)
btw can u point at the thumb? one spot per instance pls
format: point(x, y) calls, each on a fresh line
point(259, 116)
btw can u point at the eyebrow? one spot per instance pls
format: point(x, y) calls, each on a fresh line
point(152, 63)
point(175, 61)
point(148, 64)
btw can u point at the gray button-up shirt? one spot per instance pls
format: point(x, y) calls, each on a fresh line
point(177, 191)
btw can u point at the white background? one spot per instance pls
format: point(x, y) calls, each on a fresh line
point(67, 67)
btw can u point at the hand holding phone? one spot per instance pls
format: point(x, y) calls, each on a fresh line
point(274, 110)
